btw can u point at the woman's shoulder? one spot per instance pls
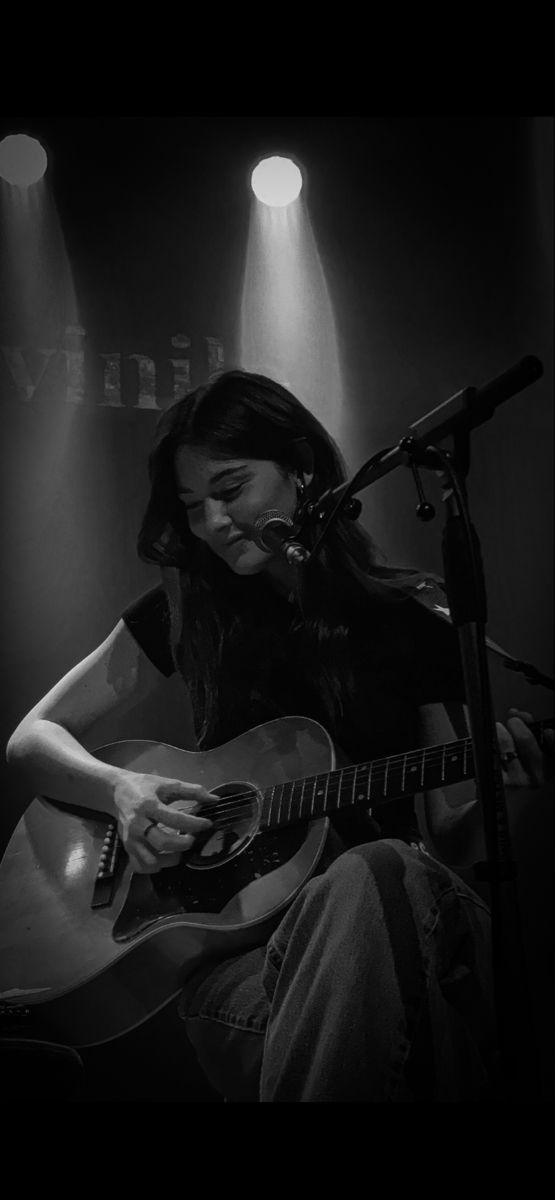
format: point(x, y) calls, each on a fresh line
point(150, 604)
point(148, 620)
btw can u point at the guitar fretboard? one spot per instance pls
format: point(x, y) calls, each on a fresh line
point(373, 783)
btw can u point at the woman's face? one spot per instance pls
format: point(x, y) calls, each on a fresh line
point(224, 497)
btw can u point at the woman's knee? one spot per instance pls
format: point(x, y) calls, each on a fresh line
point(387, 863)
point(364, 889)
point(389, 881)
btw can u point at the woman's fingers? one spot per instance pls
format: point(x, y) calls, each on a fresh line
point(193, 795)
point(524, 716)
point(170, 831)
point(547, 747)
point(142, 860)
point(165, 841)
point(528, 748)
point(180, 815)
point(146, 859)
point(514, 774)
point(176, 828)
point(521, 756)
point(158, 818)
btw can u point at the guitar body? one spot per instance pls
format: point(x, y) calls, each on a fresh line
point(93, 974)
point(95, 955)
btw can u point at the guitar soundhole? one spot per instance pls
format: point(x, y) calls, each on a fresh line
point(235, 822)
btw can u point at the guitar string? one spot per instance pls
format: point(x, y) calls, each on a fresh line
point(435, 754)
point(347, 774)
point(228, 817)
point(432, 756)
point(240, 804)
point(375, 776)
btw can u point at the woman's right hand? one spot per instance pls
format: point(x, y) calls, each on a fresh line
point(140, 800)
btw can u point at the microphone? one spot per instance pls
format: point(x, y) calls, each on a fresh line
point(272, 532)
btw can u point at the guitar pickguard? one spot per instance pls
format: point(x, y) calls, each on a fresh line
point(179, 890)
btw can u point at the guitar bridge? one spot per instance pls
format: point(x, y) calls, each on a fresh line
point(110, 858)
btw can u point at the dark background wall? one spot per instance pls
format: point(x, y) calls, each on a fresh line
point(436, 240)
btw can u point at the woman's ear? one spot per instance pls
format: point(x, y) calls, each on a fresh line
point(303, 460)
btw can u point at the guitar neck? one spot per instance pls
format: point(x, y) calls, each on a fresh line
point(373, 783)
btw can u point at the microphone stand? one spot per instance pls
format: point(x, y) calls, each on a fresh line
point(515, 1072)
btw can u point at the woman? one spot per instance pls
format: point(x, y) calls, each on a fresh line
point(374, 986)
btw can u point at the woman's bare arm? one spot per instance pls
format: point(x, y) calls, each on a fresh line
point(46, 748)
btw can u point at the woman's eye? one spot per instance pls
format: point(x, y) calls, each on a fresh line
point(231, 493)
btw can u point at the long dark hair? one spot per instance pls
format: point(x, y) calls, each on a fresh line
point(214, 611)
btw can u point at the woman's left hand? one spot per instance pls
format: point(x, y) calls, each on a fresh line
point(523, 762)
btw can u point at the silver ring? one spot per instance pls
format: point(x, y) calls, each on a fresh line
point(508, 757)
point(151, 825)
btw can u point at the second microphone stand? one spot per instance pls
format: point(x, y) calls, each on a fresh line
point(515, 1077)
point(466, 594)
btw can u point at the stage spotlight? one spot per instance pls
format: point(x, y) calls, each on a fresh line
point(23, 160)
point(276, 181)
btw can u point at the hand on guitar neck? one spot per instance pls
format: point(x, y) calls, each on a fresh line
point(525, 761)
point(453, 820)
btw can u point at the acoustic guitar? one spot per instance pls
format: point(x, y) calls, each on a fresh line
point(94, 949)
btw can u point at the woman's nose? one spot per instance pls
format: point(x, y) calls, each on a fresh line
point(216, 516)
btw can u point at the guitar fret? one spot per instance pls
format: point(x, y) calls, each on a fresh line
point(334, 782)
point(396, 775)
point(275, 800)
point(302, 785)
point(272, 818)
point(451, 763)
point(303, 793)
point(279, 805)
point(338, 782)
point(268, 800)
point(319, 792)
point(360, 789)
point(310, 796)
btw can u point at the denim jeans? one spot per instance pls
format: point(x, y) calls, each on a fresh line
point(375, 986)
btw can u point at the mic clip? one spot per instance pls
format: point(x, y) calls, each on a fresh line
point(275, 531)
